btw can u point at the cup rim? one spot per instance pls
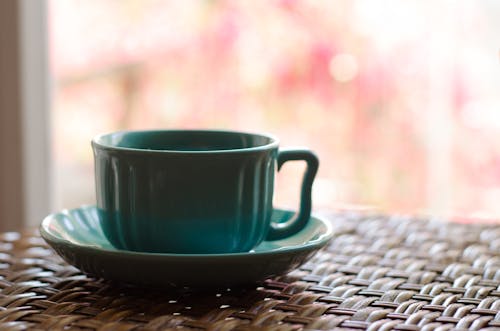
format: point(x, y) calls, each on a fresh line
point(97, 142)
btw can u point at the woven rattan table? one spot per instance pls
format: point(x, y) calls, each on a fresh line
point(379, 273)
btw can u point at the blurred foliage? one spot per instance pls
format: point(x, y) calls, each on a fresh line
point(399, 101)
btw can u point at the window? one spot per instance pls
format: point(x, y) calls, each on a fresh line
point(399, 99)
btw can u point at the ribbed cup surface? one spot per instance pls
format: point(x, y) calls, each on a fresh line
point(185, 203)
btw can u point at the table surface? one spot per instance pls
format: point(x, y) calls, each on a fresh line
point(379, 272)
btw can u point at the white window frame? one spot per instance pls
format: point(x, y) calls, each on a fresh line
point(25, 152)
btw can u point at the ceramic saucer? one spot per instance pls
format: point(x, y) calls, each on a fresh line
point(76, 235)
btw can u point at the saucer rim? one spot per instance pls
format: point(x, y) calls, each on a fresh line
point(318, 243)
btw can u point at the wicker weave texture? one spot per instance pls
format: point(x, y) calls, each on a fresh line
point(379, 273)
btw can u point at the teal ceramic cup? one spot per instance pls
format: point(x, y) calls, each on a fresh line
point(186, 192)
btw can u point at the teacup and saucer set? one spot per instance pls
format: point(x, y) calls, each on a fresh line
point(188, 208)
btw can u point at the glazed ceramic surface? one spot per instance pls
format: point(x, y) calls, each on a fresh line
point(77, 236)
point(193, 191)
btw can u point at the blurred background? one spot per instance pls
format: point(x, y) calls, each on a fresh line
point(399, 99)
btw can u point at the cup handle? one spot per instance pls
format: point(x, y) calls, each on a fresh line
point(281, 230)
